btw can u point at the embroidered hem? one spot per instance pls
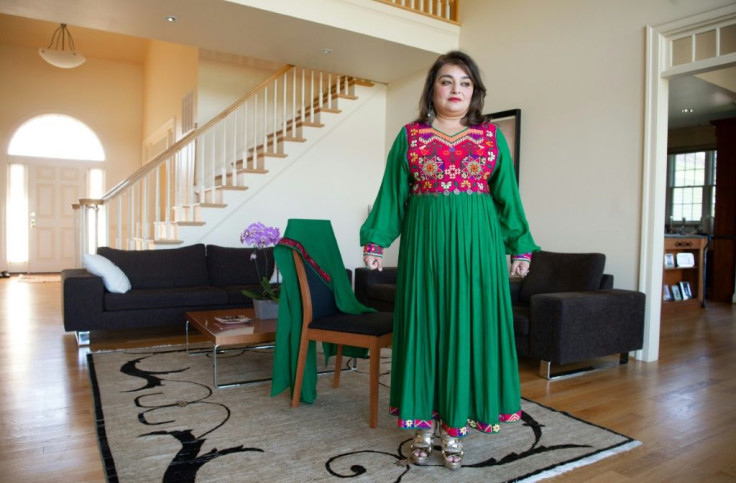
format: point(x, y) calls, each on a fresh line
point(488, 428)
point(373, 250)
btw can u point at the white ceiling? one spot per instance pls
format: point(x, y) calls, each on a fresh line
point(222, 26)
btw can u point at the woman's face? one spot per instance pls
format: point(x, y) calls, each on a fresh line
point(453, 91)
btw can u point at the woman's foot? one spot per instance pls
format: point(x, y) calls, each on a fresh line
point(421, 446)
point(452, 451)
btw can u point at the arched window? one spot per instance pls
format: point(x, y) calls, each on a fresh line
point(56, 136)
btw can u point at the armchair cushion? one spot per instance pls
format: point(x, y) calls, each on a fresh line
point(552, 272)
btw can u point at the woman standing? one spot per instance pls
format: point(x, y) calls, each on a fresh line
point(450, 191)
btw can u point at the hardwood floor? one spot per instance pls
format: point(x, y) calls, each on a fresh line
point(682, 407)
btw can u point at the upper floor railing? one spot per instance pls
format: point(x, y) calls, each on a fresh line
point(439, 9)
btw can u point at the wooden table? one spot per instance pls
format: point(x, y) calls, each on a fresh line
point(222, 335)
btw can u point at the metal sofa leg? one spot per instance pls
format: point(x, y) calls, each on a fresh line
point(82, 338)
point(545, 368)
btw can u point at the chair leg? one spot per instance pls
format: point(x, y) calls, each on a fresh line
point(300, 366)
point(375, 364)
point(338, 367)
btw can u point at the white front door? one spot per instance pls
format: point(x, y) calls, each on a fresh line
point(53, 186)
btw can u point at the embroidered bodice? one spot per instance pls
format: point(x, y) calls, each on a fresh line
point(442, 164)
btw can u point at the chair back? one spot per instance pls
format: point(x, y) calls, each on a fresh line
point(317, 297)
point(552, 272)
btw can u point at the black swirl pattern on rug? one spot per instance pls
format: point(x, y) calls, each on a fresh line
point(405, 448)
point(187, 461)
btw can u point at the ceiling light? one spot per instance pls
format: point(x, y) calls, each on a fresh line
point(327, 51)
point(66, 59)
point(170, 18)
point(687, 110)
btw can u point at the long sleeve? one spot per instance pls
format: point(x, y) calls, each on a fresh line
point(505, 192)
point(384, 222)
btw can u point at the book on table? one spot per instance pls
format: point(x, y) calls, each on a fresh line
point(232, 319)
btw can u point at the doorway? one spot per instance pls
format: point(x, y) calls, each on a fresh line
point(53, 161)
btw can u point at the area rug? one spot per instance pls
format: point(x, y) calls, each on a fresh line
point(160, 419)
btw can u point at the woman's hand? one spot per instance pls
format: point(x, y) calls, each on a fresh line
point(520, 268)
point(373, 262)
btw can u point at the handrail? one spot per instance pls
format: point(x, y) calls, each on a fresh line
point(177, 186)
point(187, 138)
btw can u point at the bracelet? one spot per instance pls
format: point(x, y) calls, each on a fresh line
point(373, 250)
point(523, 257)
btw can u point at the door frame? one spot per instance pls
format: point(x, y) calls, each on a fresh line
point(654, 177)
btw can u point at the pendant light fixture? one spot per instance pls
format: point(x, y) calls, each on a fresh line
point(58, 55)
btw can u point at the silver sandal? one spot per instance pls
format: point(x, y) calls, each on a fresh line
point(452, 451)
point(421, 446)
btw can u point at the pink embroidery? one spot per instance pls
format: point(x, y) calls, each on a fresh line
point(460, 432)
point(373, 250)
point(311, 261)
point(451, 164)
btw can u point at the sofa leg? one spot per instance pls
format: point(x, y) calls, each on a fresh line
point(545, 368)
point(82, 338)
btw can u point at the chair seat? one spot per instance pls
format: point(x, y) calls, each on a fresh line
point(371, 323)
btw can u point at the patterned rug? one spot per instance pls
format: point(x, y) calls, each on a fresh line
point(159, 418)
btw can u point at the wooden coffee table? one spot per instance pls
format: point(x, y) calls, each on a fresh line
point(250, 333)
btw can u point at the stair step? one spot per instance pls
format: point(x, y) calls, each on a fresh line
point(253, 171)
point(330, 109)
point(295, 140)
point(229, 187)
point(275, 155)
point(190, 223)
point(313, 124)
point(213, 205)
point(347, 96)
point(163, 241)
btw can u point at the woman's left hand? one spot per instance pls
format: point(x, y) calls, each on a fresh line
point(519, 268)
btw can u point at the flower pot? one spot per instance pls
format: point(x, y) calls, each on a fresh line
point(266, 309)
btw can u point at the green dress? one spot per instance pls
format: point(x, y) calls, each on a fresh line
point(454, 200)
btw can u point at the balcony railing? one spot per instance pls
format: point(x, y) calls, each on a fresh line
point(439, 9)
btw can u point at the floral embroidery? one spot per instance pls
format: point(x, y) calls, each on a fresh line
point(437, 161)
point(460, 432)
point(373, 250)
point(295, 245)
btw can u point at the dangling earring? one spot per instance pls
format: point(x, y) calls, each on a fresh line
point(430, 112)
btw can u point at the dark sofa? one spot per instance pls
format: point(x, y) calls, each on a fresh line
point(164, 285)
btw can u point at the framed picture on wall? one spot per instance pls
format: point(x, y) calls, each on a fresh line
point(509, 122)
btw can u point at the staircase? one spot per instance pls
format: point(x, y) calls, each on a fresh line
point(172, 199)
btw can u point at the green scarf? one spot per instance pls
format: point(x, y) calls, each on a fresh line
point(315, 241)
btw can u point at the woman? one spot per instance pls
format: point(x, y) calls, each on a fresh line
point(450, 191)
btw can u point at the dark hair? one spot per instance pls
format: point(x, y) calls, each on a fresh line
point(466, 63)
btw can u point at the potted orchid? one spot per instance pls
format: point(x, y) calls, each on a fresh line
point(260, 237)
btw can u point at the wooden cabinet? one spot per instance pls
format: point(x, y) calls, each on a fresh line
point(679, 276)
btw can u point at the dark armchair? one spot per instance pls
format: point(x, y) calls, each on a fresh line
point(567, 311)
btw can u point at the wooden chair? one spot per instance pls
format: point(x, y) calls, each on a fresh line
point(322, 321)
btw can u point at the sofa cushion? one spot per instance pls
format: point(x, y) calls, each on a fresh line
point(552, 272)
point(228, 266)
point(174, 267)
point(112, 277)
point(156, 298)
point(382, 291)
point(521, 320)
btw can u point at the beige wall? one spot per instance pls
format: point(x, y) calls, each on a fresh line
point(105, 95)
point(576, 70)
point(169, 73)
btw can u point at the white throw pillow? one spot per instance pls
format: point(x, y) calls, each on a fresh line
point(114, 279)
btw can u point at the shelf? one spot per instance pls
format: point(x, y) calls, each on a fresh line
point(692, 276)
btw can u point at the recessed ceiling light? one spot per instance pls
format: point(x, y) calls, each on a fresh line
point(170, 18)
point(687, 110)
point(327, 51)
